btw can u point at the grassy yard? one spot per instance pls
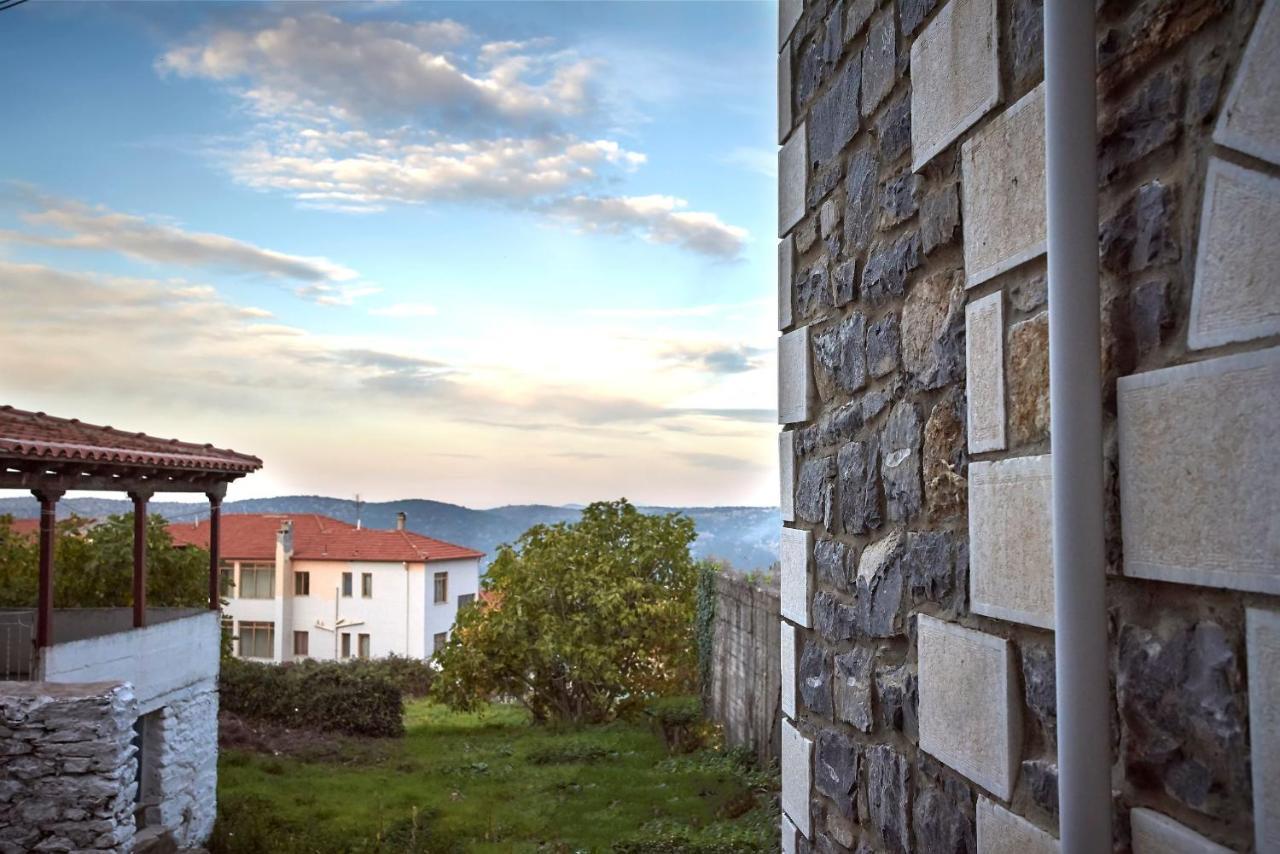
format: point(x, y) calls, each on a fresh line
point(492, 782)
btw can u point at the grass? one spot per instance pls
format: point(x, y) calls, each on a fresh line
point(492, 782)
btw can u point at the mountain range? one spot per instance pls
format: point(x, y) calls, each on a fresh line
point(745, 537)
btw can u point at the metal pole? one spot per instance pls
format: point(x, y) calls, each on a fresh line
point(1075, 389)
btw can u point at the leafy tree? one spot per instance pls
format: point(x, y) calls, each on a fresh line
point(580, 621)
point(93, 566)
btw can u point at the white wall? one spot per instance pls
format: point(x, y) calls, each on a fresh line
point(464, 578)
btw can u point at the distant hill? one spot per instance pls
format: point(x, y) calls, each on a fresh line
point(746, 537)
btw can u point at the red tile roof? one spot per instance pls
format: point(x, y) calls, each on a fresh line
point(252, 536)
point(34, 435)
point(25, 527)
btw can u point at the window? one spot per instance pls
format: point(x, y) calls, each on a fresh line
point(302, 584)
point(257, 640)
point(439, 640)
point(466, 600)
point(301, 643)
point(366, 584)
point(346, 644)
point(346, 584)
point(226, 578)
point(362, 648)
point(257, 581)
point(442, 587)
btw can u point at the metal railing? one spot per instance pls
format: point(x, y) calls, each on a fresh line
point(17, 644)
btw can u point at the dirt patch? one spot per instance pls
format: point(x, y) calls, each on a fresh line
point(238, 733)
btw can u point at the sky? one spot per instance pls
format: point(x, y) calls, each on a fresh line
point(483, 253)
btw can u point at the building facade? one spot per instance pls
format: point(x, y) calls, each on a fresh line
point(303, 586)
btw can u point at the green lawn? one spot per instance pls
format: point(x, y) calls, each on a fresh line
point(492, 782)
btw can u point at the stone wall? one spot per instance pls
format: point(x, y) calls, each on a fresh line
point(917, 601)
point(68, 767)
point(745, 678)
point(184, 737)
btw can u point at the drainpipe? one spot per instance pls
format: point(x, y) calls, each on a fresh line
point(1075, 390)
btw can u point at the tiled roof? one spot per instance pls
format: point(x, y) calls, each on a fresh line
point(35, 435)
point(252, 536)
point(25, 527)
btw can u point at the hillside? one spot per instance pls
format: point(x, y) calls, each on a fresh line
point(746, 537)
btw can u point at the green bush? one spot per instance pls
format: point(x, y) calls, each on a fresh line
point(411, 675)
point(679, 720)
point(323, 695)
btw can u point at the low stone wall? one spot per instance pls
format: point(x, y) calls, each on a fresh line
point(745, 678)
point(183, 739)
point(66, 779)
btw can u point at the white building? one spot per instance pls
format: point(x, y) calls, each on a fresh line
point(303, 585)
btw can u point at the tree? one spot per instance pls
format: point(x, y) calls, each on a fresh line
point(94, 566)
point(579, 621)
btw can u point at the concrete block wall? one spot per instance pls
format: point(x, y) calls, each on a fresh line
point(917, 600)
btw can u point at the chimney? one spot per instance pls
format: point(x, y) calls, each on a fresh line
point(284, 537)
point(401, 518)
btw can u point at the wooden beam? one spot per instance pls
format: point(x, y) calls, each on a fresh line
point(34, 480)
point(48, 499)
point(139, 558)
point(215, 533)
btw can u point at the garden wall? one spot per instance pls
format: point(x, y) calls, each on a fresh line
point(745, 678)
point(917, 570)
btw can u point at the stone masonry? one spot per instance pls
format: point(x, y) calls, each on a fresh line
point(66, 780)
point(917, 580)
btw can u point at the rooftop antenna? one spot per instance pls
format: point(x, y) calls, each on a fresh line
point(359, 504)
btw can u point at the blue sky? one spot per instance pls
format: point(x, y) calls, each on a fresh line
point(485, 253)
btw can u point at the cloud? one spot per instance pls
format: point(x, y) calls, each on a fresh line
point(761, 161)
point(405, 310)
point(719, 358)
point(656, 218)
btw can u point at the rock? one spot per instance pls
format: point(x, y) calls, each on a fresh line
point(945, 488)
point(1029, 292)
point(828, 217)
point(875, 402)
point(899, 199)
point(880, 588)
point(943, 815)
point(879, 61)
point(1042, 781)
point(814, 676)
point(1028, 41)
point(893, 129)
point(860, 195)
point(832, 619)
point(939, 216)
point(933, 330)
point(853, 683)
point(815, 491)
point(835, 769)
point(809, 71)
point(1144, 123)
point(1039, 682)
point(821, 182)
point(839, 357)
point(1150, 315)
point(1142, 233)
point(889, 796)
point(913, 13)
point(929, 564)
point(1155, 31)
point(1206, 85)
point(900, 444)
point(858, 467)
point(882, 345)
point(844, 285)
point(834, 118)
point(842, 830)
point(1028, 380)
point(857, 17)
point(831, 557)
point(887, 268)
point(897, 699)
point(813, 298)
point(839, 425)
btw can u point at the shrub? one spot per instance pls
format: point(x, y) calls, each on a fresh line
point(679, 720)
point(324, 695)
point(411, 675)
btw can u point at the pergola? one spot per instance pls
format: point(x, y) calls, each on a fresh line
point(52, 456)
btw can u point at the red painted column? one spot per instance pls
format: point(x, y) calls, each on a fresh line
point(139, 558)
point(48, 499)
point(215, 540)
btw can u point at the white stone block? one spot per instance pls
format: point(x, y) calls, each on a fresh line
point(970, 710)
point(784, 92)
point(789, 12)
point(794, 552)
point(786, 273)
point(1262, 631)
point(1153, 833)
point(793, 169)
point(1236, 295)
point(789, 844)
point(1003, 191)
point(1011, 539)
point(1003, 832)
point(984, 367)
point(787, 472)
point(797, 777)
point(1200, 472)
point(955, 76)
point(795, 377)
point(1250, 120)
point(790, 659)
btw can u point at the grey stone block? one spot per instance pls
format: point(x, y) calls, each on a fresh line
point(853, 684)
point(795, 377)
point(1153, 833)
point(1250, 120)
point(984, 362)
point(1263, 641)
point(793, 172)
point(1003, 832)
point(797, 777)
point(786, 277)
point(790, 666)
point(787, 474)
point(797, 580)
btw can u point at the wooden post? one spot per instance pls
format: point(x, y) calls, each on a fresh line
point(139, 558)
point(48, 499)
point(215, 535)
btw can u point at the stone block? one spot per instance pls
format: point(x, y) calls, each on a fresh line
point(900, 462)
point(795, 377)
point(789, 842)
point(815, 491)
point(945, 488)
point(883, 344)
point(835, 770)
point(789, 12)
point(793, 170)
point(939, 216)
point(858, 467)
point(860, 185)
point(955, 76)
point(797, 777)
point(790, 662)
point(1027, 26)
point(1236, 295)
point(1003, 832)
point(834, 118)
point(1250, 120)
point(984, 361)
point(879, 60)
point(888, 267)
point(970, 711)
point(889, 796)
point(797, 580)
point(1262, 630)
point(1029, 380)
point(1011, 540)
point(839, 355)
point(814, 678)
point(898, 700)
point(786, 275)
point(1003, 192)
point(893, 129)
point(853, 683)
point(784, 92)
point(932, 327)
point(787, 472)
point(1142, 124)
point(1153, 833)
point(1200, 473)
point(943, 813)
